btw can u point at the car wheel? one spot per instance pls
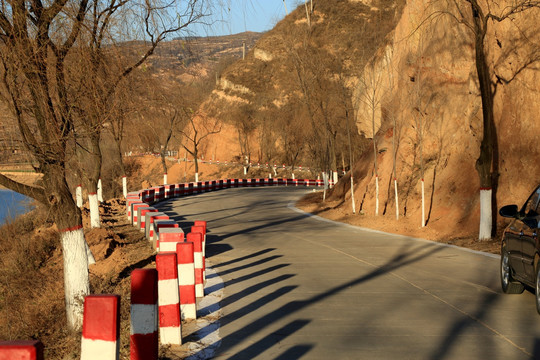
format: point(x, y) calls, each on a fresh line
point(537, 292)
point(509, 286)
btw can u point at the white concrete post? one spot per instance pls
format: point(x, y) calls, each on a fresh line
point(99, 191)
point(78, 196)
point(124, 186)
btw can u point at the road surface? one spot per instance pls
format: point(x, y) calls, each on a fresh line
point(297, 286)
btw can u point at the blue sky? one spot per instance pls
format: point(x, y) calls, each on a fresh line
point(236, 16)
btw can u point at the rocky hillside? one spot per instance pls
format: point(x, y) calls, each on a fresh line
point(188, 58)
point(406, 70)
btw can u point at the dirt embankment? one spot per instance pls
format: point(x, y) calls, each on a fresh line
point(334, 210)
point(31, 268)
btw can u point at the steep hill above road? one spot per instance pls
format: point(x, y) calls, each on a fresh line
point(407, 72)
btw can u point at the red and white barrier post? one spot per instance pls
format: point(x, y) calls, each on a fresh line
point(101, 327)
point(134, 212)
point(129, 207)
point(200, 227)
point(197, 239)
point(170, 328)
point(149, 222)
point(186, 280)
point(141, 215)
point(144, 343)
point(168, 241)
point(21, 350)
point(201, 224)
point(160, 225)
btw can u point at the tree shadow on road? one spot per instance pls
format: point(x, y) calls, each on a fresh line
point(286, 312)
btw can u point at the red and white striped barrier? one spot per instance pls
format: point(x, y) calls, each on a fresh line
point(149, 222)
point(159, 193)
point(197, 240)
point(101, 327)
point(200, 227)
point(158, 225)
point(186, 280)
point(141, 216)
point(169, 191)
point(21, 350)
point(168, 240)
point(134, 211)
point(129, 208)
point(178, 190)
point(144, 343)
point(170, 328)
point(148, 196)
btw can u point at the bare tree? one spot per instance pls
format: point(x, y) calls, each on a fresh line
point(345, 95)
point(392, 109)
point(38, 41)
point(198, 128)
point(478, 16)
point(369, 93)
point(419, 104)
point(123, 111)
point(314, 73)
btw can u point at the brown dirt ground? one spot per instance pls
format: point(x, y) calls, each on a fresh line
point(333, 210)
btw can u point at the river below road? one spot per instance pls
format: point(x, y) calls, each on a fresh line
point(12, 204)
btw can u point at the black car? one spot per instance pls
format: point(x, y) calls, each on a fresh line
point(520, 249)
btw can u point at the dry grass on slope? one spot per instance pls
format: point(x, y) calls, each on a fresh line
point(31, 277)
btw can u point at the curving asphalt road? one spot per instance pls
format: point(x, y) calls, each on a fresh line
point(297, 286)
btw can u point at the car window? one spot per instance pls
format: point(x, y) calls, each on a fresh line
point(532, 207)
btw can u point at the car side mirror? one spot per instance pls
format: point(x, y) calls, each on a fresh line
point(509, 211)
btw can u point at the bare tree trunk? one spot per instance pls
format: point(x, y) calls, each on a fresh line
point(69, 221)
point(376, 194)
point(397, 200)
point(196, 161)
point(394, 159)
point(375, 170)
point(351, 163)
point(421, 149)
point(76, 280)
point(164, 164)
point(121, 166)
point(485, 159)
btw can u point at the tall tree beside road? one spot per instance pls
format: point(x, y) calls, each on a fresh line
point(370, 94)
point(479, 16)
point(197, 129)
point(196, 125)
point(393, 110)
point(38, 64)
